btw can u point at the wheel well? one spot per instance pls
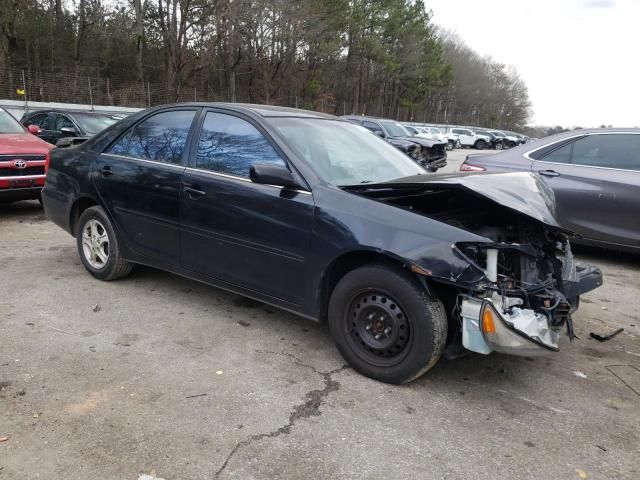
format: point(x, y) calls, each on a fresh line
point(77, 209)
point(344, 264)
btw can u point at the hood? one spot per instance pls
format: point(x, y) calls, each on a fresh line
point(24, 143)
point(523, 192)
point(424, 142)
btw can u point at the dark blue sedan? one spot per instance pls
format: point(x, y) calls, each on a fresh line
point(314, 215)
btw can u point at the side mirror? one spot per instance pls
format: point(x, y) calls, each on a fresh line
point(272, 174)
point(69, 130)
point(34, 129)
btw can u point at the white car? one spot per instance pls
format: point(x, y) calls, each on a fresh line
point(470, 139)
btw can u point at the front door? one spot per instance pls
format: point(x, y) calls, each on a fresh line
point(139, 181)
point(253, 236)
point(596, 180)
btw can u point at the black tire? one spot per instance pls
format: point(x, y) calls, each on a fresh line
point(115, 266)
point(372, 299)
point(458, 144)
point(450, 145)
point(499, 146)
point(511, 144)
point(480, 145)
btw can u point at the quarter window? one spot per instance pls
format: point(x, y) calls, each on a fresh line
point(560, 155)
point(231, 145)
point(160, 138)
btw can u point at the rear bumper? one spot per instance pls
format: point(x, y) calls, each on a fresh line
point(17, 194)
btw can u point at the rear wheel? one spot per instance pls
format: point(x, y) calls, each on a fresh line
point(386, 325)
point(98, 246)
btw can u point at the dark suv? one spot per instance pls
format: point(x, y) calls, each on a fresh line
point(430, 154)
point(62, 124)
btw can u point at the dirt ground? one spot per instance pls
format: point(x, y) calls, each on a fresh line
point(166, 377)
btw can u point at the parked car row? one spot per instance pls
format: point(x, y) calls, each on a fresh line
point(472, 137)
point(429, 152)
point(25, 146)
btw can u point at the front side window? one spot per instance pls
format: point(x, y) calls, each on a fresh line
point(231, 145)
point(160, 138)
point(612, 151)
point(394, 129)
point(62, 121)
point(374, 127)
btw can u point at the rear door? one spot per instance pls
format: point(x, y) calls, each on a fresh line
point(596, 180)
point(139, 180)
point(249, 235)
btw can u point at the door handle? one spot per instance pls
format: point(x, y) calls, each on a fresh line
point(194, 191)
point(549, 173)
point(105, 171)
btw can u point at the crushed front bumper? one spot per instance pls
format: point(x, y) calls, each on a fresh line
point(502, 324)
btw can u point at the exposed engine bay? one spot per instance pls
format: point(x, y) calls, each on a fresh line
point(526, 283)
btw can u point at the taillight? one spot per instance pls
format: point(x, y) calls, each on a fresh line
point(465, 167)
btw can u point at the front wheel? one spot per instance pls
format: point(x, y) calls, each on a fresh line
point(450, 145)
point(98, 246)
point(480, 145)
point(385, 323)
point(499, 146)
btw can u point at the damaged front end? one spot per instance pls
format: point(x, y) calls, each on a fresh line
point(526, 296)
point(514, 286)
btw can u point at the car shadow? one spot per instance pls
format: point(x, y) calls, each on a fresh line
point(27, 210)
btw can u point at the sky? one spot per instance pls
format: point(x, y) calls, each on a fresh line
point(580, 59)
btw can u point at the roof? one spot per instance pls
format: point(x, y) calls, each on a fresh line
point(63, 110)
point(257, 109)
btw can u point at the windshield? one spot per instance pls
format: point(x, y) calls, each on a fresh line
point(395, 129)
point(95, 123)
point(342, 154)
point(8, 124)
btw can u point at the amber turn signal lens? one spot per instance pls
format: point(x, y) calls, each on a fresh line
point(487, 321)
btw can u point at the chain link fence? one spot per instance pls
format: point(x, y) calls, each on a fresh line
point(92, 89)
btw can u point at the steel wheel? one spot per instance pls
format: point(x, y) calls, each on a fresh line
point(95, 244)
point(379, 330)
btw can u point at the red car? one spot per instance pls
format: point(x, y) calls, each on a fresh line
point(24, 159)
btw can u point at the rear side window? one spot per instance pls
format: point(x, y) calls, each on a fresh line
point(231, 145)
point(612, 151)
point(160, 138)
point(41, 120)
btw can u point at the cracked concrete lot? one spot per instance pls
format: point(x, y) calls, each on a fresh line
point(161, 376)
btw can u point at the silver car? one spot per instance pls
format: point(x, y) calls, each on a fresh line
point(595, 176)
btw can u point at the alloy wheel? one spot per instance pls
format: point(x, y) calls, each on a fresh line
point(95, 244)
